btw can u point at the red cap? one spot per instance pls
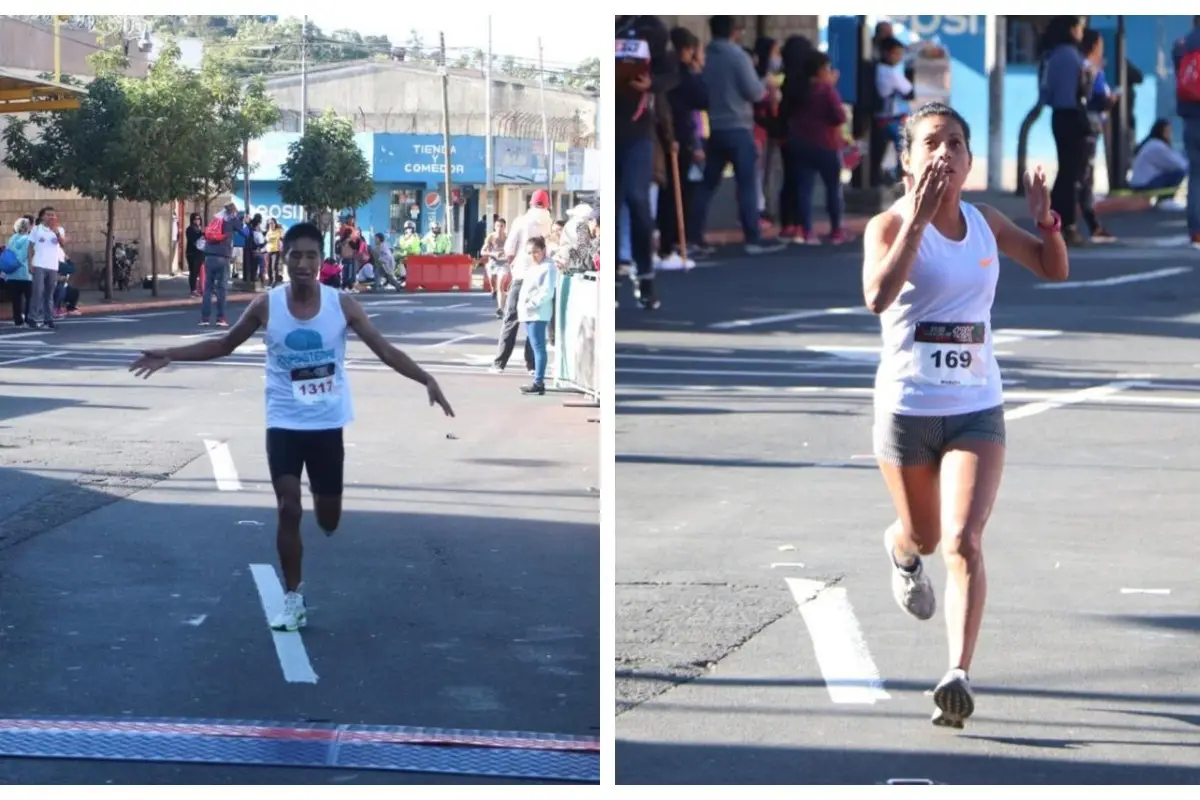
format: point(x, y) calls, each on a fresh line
point(541, 199)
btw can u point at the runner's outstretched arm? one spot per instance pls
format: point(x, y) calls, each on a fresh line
point(151, 361)
point(397, 359)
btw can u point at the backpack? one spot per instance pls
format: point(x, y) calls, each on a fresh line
point(9, 261)
point(215, 232)
point(1187, 78)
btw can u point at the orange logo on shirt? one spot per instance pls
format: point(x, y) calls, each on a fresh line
point(986, 262)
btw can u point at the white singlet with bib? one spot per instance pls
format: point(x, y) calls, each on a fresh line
point(306, 365)
point(937, 358)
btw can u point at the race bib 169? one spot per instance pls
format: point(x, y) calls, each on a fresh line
point(950, 353)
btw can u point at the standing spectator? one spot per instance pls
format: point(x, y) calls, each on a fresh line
point(385, 265)
point(687, 98)
point(1186, 55)
point(1100, 101)
point(47, 239)
point(192, 252)
point(20, 280)
point(534, 222)
point(274, 264)
point(644, 70)
point(1065, 84)
point(733, 89)
point(536, 308)
point(815, 117)
point(497, 263)
point(768, 64)
point(218, 258)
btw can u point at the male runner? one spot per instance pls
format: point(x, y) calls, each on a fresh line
point(307, 395)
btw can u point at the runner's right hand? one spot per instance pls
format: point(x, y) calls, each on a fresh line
point(926, 192)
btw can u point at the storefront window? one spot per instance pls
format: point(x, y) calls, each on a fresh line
point(400, 209)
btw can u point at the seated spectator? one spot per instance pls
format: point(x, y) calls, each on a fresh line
point(1157, 165)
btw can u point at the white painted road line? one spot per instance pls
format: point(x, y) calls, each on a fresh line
point(27, 359)
point(224, 470)
point(1116, 280)
point(22, 335)
point(1071, 398)
point(457, 339)
point(289, 647)
point(846, 664)
point(1145, 591)
point(811, 313)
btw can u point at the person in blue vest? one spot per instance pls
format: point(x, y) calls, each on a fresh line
point(1065, 83)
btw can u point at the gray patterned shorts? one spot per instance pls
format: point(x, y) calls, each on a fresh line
point(910, 441)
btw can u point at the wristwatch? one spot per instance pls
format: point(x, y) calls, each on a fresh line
point(1055, 225)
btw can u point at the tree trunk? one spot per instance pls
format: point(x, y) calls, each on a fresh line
point(246, 176)
point(207, 200)
point(153, 255)
point(108, 248)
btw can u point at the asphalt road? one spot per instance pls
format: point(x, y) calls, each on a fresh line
point(757, 639)
point(461, 592)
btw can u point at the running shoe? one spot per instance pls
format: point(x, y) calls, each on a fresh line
point(954, 700)
point(911, 587)
point(294, 615)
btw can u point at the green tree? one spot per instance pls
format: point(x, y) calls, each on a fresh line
point(238, 113)
point(165, 109)
point(325, 170)
point(86, 150)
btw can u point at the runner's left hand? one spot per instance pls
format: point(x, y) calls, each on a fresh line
point(1037, 194)
point(150, 362)
point(436, 398)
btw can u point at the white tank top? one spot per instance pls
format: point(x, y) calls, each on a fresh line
point(306, 365)
point(938, 355)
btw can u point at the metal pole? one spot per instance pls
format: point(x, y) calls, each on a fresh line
point(490, 153)
point(1121, 140)
point(303, 73)
point(864, 108)
point(997, 64)
point(57, 49)
point(545, 125)
point(446, 129)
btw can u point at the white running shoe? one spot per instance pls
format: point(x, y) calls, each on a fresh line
point(294, 615)
point(954, 700)
point(911, 587)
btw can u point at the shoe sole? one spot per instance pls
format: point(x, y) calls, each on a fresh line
point(291, 629)
point(955, 704)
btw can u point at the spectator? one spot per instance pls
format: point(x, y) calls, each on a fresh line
point(1065, 83)
point(1156, 164)
point(20, 280)
point(536, 307)
point(218, 258)
point(644, 71)
point(193, 253)
point(768, 64)
point(384, 265)
point(815, 119)
point(1186, 55)
point(1100, 102)
point(733, 89)
point(686, 99)
point(47, 240)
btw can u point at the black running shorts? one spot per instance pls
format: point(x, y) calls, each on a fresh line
point(321, 453)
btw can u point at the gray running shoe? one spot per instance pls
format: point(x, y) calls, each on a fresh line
point(912, 588)
point(954, 700)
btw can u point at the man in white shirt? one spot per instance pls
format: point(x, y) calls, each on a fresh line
point(48, 240)
point(534, 222)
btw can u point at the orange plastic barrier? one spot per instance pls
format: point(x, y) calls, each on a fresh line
point(439, 273)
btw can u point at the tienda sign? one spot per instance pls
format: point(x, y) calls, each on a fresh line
point(430, 159)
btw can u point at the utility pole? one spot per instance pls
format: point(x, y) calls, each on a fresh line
point(489, 155)
point(446, 201)
point(545, 126)
point(996, 56)
point(303, 73)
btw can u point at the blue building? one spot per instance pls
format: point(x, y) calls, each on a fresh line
point(409, 173)
point(969, 40)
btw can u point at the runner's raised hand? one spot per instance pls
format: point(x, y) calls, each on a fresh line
point(1037, 195)
point(925, 192)
point(149, 362)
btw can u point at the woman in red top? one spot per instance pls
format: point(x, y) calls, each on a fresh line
point(815, 115)
point(767, 129)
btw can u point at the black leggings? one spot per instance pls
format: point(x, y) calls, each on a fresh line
point(195, 260)
point(1071, 129)
point(21, 293)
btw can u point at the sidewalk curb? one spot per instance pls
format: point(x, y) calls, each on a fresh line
point(146, 305)
point(856, 224)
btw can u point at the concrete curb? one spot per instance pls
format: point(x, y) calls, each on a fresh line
point(149, 304)
point(855, 225)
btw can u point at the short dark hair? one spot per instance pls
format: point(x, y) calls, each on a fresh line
point(380, 237)
point(925, 112)
point(682, 39)
point(721, 26)
point(1089, 40)
point(537, 241)
point(301, 230)
point(889, 44)
point(562, 222)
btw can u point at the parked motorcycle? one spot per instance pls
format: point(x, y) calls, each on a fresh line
point(124, 259)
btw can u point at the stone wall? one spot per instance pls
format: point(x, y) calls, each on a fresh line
point(85, 221)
